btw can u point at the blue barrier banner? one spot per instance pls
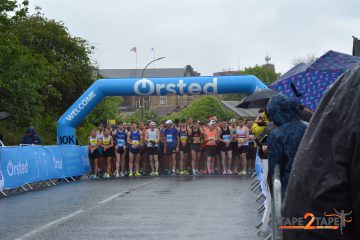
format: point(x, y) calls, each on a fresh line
point(28, 164)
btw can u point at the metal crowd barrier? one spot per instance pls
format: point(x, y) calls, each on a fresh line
point(270, 205)
point(30, 167)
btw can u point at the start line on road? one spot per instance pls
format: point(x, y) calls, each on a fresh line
point(183, 207)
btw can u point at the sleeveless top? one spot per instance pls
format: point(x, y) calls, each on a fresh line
point(241, 136)
point(134, 138)
point(120, 137)
point(93, 141)
point(233, 132)
point(106, 140)
point(225, 134)
point(195, 136)
point(210, 135)
point(151, 138)
point(183, 135)
point(251, 136)
point(171, 137)
point(99, 135)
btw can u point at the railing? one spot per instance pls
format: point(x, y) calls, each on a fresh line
point(276, 205)
point(26, 167)
point(270, 208)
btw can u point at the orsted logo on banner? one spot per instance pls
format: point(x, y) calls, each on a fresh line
point(17, 169)
point(2, 181)
point(147, 87)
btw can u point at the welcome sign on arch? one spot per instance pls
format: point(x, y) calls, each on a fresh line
point(148, 87)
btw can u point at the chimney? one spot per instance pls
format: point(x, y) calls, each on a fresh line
point(356, 47)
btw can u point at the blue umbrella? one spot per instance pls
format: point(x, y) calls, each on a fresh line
point(307, 83)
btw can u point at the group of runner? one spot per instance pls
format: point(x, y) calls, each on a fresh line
point(181, 148)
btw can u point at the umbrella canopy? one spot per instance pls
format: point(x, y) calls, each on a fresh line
point(258, 99)
point(307, 83)
point(4, 115)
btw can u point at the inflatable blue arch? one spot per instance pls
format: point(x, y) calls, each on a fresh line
point(145, 87)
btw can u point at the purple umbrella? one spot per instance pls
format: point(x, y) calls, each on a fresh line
point(307, 83)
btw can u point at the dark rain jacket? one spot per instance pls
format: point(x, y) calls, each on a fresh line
point(284, 140)
point(326, 170)
point(31, 139)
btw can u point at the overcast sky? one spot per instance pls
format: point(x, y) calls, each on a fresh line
point(210, 35)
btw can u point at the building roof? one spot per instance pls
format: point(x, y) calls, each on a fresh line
point(295, 70)
point(164, 111)
point(242, 112)
point(149, 72)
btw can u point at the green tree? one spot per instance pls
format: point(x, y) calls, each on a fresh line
point(265, 74)
point(201, 109)
point(43, 70)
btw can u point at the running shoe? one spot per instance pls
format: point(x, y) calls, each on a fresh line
point(116, 174)
point(182, 172)
point(243, 172)
point(152, 174)
point(137, 174)
point(173, 173)
point(106, 175)
point(122, 174)
point(156, 174)
point(93, 176)
point(131, 174)
point(224, 172)
point(229, 172)
point(249, 171)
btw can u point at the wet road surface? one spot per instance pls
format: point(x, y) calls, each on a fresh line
point(213, 207)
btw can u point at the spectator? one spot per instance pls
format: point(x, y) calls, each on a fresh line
point(326, 169)
point(283, 141)
point(30, 137)
point(260, 123)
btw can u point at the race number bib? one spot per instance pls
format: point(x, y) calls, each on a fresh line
point(93, 142)
point(183, 139)
point(152, 143)
point(169, 138)
point(196, 140)
point(211, 140)
point(120, 142)
point(227, 138)
point(135, 142)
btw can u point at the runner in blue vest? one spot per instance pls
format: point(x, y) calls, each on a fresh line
point(171, 144)
point(134, 140)
point(120, 149)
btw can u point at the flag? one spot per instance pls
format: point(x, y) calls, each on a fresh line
point(133, 49)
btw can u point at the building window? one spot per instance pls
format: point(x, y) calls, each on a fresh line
point(162, 100)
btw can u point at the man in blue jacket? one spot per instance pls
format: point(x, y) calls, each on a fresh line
point(31, 137)
point(283, 141)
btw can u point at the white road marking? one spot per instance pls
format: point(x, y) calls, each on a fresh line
point(69, 216)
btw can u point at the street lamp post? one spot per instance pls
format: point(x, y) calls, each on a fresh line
point(142, 75)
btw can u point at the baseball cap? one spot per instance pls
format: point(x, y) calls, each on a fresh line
point(152, 124)
point(232, 120)
point(169, 122)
